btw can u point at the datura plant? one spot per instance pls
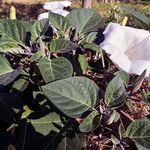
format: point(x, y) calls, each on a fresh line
point(60, 90)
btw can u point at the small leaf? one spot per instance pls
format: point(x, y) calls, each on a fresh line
point(59, 22)
point(83, 63)
point(91, 37)
point(124, 76)
point(115, 95)
point(50, 122)
point(36, 56)
point(139, 131)
point(62, 46)
point(91, 122)
point(21, 84)
point(55, 69)
point(93, 47)
point(73, 96)
point(114, 140)
point(27, 112)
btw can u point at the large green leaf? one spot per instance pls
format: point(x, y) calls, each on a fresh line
point(14, 30)
point(59, 22)
point(62, 46)
point(75, 143)
point(39, 28)
point(85, 20)
point(115, 95)
point(8, 45)
point(91, 122)
point(138, 15)
point(73, 96)
point(139, 131)
point(55, 69)
point(50, 122)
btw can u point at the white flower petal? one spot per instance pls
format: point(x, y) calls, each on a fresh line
point(66, 3)
point(129, 48)
point(61, 12)
point(58, 11)
point(133, 36)
point(114, 39)
point(121, 61)
point(53, 5)
point(121, 38)
point(137, 67)
point(56, 5)
point(43, 16)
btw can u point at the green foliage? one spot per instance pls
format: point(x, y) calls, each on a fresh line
point(91, 122)
point(73, 96)
point(48, 123)
point(115, 95)
point(59, 22)
point(85, 20)
point(55, 69)
point(53, 85)
point(62, 46)
point(138, 131)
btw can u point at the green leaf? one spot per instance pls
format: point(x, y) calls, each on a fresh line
point(7, 74)
point(55, 69)
point(59, 22)
point(5, 66)
point(62, 46)
point(14, 30)
point(26, 113)
point(114, 140)
point(73, 96)
point(93, 47)
point(139, 131)
point(138, 15)
point(8, 45)
point(21, 84)
point(91, 122)
point(91, 37)
point(124, 76)
point(7, 78)
point(75, 143)
point(39, 28)
point(48, 123)
point(36, 56)
point(85, 20)
point(83, 63)
point(115, 95)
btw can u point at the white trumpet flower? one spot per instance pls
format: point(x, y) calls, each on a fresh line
point(58, 11)
point(128, 48)
point(56, 5)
